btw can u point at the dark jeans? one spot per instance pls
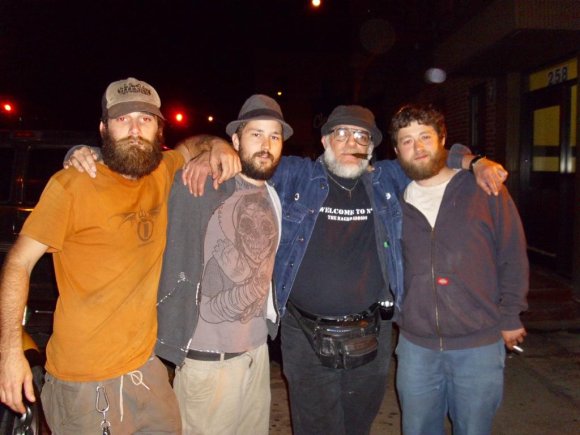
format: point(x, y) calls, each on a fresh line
point(332, 401)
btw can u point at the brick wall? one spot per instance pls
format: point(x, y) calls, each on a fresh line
point(452, 97)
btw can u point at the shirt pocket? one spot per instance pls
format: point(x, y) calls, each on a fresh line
point(293, 218)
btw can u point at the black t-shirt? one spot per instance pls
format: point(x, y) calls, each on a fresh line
point(340, 273)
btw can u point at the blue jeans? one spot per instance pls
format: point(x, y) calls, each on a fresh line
point(324, 400)
point(466, 383)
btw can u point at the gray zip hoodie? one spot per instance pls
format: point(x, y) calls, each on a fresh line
point(183, 262)
point(466, 279)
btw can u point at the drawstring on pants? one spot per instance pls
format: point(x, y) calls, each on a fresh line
point(137, 378)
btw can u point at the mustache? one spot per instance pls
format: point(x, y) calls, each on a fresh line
point(129, 140)
point(420, 156)
point(263, 154)
point(362, 156)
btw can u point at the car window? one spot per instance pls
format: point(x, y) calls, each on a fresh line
point(42, 164)
point(6, 164)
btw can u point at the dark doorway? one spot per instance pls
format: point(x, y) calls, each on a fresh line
point(548, 167)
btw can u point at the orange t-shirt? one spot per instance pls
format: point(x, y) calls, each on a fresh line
point(107, 235)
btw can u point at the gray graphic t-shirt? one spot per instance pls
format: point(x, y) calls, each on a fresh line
point(239, 252)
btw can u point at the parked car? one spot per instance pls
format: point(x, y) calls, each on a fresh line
point(27, 161)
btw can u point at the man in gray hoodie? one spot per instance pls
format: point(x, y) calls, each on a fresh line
point(466, 280)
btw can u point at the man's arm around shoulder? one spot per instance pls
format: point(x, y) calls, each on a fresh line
point(209, 155)
point(489, 175)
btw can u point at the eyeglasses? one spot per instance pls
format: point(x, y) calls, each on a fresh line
point(361, 137)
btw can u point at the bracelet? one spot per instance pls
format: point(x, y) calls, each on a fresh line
point(476, 159)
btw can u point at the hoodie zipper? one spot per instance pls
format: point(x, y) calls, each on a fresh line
point(433, 281)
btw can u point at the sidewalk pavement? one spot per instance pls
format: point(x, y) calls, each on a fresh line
point(551, 303)
point(542, 388)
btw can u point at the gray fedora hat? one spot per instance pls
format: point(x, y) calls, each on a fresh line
point(353, 115)
point(259, 107)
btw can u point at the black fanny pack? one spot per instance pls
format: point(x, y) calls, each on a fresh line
point(341, 344)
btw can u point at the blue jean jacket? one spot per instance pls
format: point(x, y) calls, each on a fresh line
point(302, 186)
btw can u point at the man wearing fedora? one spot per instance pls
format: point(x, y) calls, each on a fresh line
point(216, 301)
point(107, 236)
point(338, 272)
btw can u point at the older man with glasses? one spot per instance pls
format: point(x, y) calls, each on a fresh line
point(339, 252)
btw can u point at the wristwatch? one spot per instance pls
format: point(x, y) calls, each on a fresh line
point(476, 159)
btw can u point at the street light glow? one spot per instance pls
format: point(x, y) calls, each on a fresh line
point(435, 75)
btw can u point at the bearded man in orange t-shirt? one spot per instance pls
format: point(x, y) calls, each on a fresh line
point(107, 236)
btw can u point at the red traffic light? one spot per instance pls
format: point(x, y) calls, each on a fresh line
point(178, 115)
point(179, 118)
point(7, 107)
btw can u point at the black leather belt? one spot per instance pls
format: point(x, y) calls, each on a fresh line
point(346, 318)
point(210, 356)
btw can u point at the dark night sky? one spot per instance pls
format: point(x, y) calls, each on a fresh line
point(58, 56)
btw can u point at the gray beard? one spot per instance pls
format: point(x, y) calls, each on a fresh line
point(344, 171)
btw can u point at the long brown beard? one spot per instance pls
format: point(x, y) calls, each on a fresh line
point(432, 168)
point(127, 158)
